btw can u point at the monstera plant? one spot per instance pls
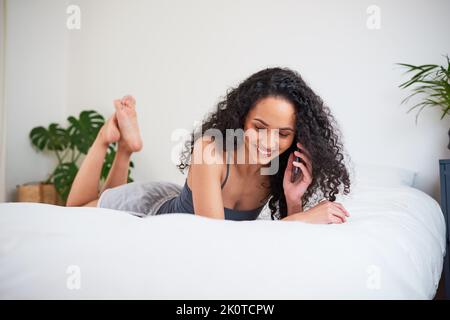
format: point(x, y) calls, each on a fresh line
point(69, 144)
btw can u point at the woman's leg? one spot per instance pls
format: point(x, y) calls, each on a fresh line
point(85, 185)
point(118, 174)
point(130, 141)
point(122, 126)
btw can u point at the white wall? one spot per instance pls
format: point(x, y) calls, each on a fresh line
point(178, 57)
point(2, 109)
point(35, 78)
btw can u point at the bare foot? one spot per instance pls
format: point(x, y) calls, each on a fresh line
point(110, 132)
point(128, 124)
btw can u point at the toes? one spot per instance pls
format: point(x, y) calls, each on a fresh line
point(118, 104)
point(129, 101)
point(125, 98)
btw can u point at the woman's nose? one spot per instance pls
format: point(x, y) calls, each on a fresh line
point(269, 140)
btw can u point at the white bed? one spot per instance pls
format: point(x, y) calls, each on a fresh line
point(392, 247)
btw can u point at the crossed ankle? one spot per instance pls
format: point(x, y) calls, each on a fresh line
point(125, 148)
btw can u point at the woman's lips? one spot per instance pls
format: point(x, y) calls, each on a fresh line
point(264, 151)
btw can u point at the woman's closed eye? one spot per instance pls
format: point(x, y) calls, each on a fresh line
point(281, 134)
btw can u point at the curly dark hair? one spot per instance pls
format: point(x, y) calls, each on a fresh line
point(316, 129)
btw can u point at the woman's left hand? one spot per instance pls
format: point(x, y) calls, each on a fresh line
point(294, 191)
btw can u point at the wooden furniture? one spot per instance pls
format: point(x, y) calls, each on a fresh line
point(38, 192)
point(444, 168)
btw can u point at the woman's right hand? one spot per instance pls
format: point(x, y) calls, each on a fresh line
point(324, 212)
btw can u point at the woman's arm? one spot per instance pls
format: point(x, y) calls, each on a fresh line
point(325, 212)
point(206, 170)
point(294, 206)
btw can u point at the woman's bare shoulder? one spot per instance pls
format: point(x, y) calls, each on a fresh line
point(205, 150)
point(206, 159)
point(205, 178)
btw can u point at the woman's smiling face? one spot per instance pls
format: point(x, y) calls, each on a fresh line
point(269, 129)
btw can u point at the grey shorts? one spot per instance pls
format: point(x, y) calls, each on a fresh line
point(139, 198)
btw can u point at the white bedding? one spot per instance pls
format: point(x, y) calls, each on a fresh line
point(392, 247)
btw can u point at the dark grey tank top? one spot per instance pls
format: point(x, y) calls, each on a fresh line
point(183, 203)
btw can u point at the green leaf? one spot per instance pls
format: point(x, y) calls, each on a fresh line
point(432, 82)
point(84, 130)
point(39, 137)
point(422, 73)
point(53, 138)
point(63, 177)
point(59, 138)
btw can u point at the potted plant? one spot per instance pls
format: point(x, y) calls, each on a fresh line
point(68, 145)
point(432, 82)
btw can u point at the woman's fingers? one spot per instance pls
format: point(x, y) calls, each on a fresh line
point(305, 158)
point(307, 175)
point(289, 166)
point(338, 213)
point(289, 163)
point(342, 208)
point(335, 219)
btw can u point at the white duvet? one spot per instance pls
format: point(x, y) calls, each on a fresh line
point(392, 247)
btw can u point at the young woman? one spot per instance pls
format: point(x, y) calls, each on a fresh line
point(273, 101)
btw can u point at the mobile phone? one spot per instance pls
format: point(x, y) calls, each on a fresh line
point(296, 171)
